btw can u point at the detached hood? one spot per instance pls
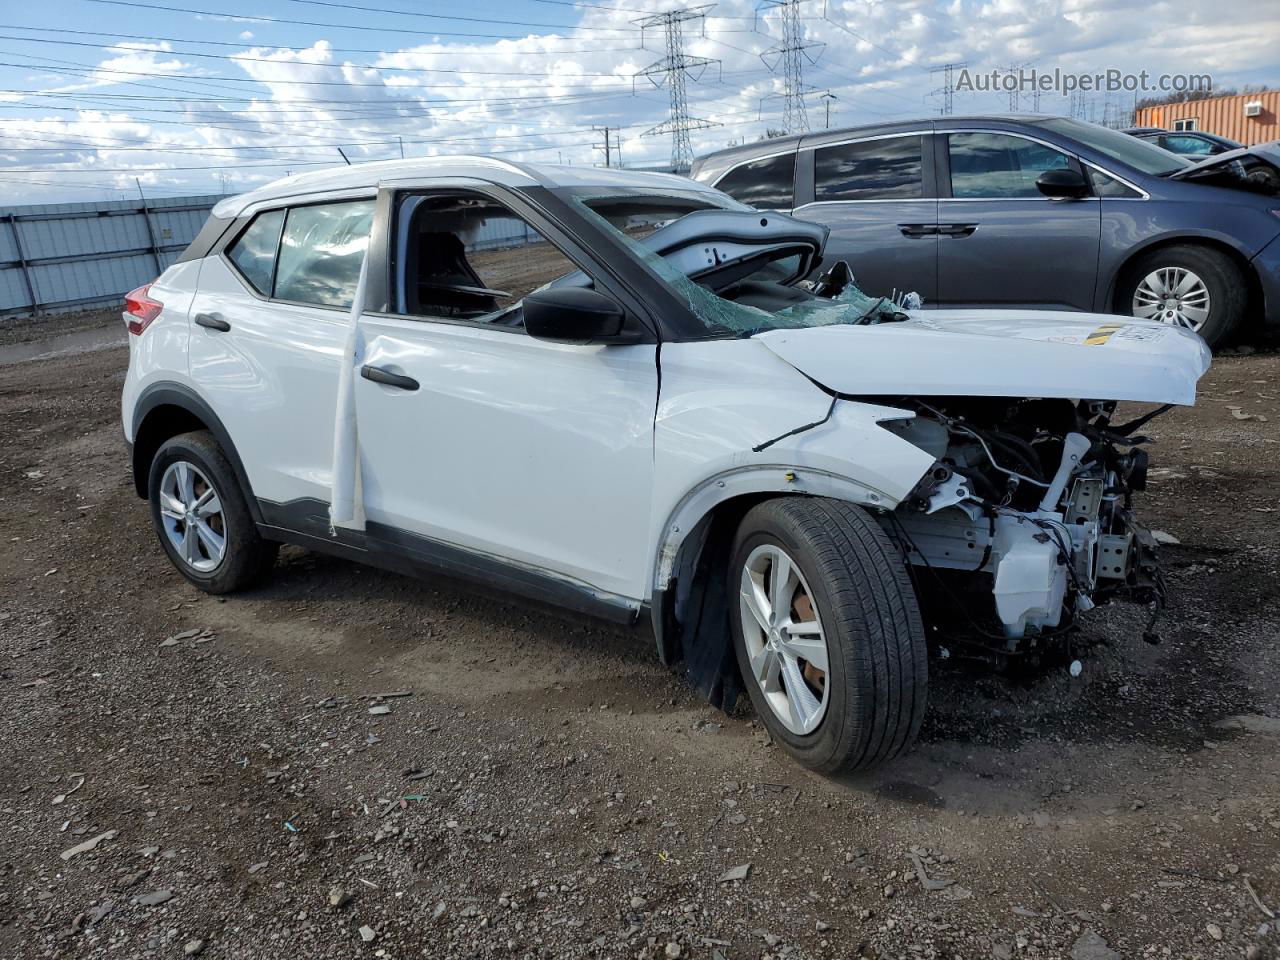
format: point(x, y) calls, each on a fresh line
point(1001, 353)
point(1255, 168)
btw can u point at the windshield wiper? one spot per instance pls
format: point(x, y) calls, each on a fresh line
point(870, 317)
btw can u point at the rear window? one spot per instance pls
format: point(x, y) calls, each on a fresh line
point(254, 252)
point(890, 169)
point(767, 184)
point(321, 251)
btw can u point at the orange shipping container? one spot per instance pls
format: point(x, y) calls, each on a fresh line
point(1225, 116)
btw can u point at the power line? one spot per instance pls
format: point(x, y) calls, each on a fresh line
point(242, 44)
point(673, 69)
point(236, 58)
point(255, 18)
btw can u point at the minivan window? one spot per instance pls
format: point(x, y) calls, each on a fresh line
point(1139, 154)
point(889, 169)
point(999, 166)
point(321, 252)
point(254, 252)
point(767, 184)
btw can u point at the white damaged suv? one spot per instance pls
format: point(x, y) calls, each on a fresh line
point(630, 395)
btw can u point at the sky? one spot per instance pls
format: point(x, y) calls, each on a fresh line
point(101, 98)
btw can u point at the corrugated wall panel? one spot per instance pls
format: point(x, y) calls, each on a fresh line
point(105, 249)
point(1221, 115)
point(13, 291)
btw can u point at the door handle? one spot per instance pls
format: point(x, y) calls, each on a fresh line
point(957, 229)
point(212, 321)
point(378, 375)
point(917, 230)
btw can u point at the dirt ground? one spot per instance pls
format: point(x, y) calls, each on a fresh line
point(545, 788)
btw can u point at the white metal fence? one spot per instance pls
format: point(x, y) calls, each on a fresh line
point(68, 256)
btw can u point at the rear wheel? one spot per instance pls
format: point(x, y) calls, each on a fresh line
point(201, 516)
point(1187, 286)
point(828, 634)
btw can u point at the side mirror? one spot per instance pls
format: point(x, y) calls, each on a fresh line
point(575, 315)
point(1063, 183)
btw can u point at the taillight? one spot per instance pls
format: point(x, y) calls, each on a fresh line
point(141, 308)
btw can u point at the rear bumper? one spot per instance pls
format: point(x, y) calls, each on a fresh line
point(1266, 266)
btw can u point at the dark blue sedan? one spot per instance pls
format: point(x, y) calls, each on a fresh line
point(1030, 211)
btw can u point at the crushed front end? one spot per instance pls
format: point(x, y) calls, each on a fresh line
point(1034, 498)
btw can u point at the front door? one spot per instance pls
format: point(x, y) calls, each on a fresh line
point(877, 198)
point(1001, 242)
point(482, 445)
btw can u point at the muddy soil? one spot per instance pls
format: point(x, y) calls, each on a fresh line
point(544, 788)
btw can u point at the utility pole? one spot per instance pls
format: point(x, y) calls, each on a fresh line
point(151, 230)
point(827, 98)
point(606, 146)
point(948, 88)
point(400, 140)
point(789, 54)
point(672, 70)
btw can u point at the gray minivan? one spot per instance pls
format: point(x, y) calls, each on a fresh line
point(1027, 210)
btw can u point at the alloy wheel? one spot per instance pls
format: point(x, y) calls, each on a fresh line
point(191, 512)
point(1173, 295)
point(785, 642)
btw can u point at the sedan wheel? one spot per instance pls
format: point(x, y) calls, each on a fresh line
point(1173, 295)
point(191, 512)
point(785, 642)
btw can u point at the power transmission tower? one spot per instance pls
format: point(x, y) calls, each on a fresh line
point(673, 69)
point(607, 146)
point(1015, 88)
point(948, 89)
point(790, 53)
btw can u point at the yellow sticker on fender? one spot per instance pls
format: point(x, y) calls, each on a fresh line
point(1102, 334)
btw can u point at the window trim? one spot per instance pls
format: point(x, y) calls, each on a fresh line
point(251, 214)
point(1194, 128)
point(795, 176)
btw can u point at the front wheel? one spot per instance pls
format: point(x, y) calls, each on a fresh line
point(828, 633)
point(1187, 286)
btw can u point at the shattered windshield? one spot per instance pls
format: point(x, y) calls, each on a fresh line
point(755, 301)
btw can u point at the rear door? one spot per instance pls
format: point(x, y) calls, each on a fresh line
point(878, 198)
point(1001, 241)
point(269, 323)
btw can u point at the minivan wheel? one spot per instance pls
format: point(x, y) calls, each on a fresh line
point(201, 517)
point(827, 632)
point(1187, 286)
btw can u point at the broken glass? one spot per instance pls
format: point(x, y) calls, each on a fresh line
point(851, 306)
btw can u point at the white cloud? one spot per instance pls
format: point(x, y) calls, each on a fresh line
point(536, 97)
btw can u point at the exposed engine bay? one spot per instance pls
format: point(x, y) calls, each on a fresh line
point(1035, 495)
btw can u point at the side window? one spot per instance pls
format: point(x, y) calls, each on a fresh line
point(890, 169)
point(996, 165)
point(767, 184)
point(254, 252)
point(1188, 146)
point(468, 257)
point(1107, 186)
point(321, 251)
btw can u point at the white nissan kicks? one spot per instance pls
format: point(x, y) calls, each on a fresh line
point(630, 395)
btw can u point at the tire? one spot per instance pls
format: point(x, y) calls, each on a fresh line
point(1219, 277)
point(872, 698)
point(188, 466)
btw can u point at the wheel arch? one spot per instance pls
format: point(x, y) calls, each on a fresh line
point(690, 593)
point(165, 410)
point(1242, 262)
